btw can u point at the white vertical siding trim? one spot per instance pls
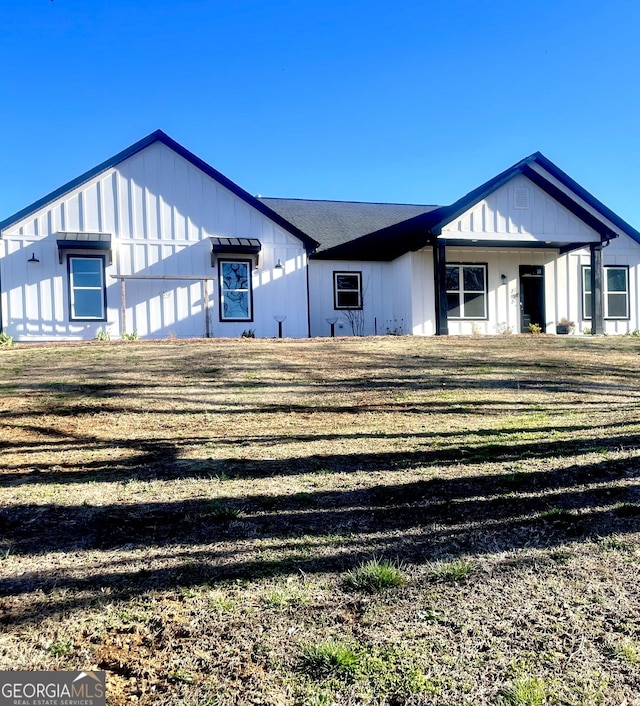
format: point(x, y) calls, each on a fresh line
point(545, 219)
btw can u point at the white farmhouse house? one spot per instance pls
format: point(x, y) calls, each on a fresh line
point(156, 241)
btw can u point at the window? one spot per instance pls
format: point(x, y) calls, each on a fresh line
point(616, 292)
point(347, 290)
point(87, 294)
point(466, 291)
point(236, 303)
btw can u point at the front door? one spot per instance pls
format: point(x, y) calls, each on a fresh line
point(531, 297)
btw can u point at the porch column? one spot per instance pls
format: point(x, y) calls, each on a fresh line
point(440, 277)
point(207, 320)
point(123, 306)
point(597, 302)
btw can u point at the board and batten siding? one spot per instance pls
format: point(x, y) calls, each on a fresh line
point(160, 211)
point(621, 252)
point(503, 300)
point(497, 218)
point(397, 296)
point(423, 298)
point(379, 310)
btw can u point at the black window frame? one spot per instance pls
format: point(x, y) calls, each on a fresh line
point(71, 288)
point(221, 289)
point(586, 292)
point(461, 291)
point(336, 292)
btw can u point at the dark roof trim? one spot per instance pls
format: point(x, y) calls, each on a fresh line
point(435, 220)
point(586, 196)
point(514, 244)
point(251, 246)
point(383, 245)
point(564, 199)
point(159, 136)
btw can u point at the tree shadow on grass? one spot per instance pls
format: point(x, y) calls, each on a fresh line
point(159, 458)
point(224, 539)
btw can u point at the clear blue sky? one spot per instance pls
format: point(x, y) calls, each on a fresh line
point(415, 102)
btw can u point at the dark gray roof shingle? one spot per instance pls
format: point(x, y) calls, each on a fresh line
point(334, 223)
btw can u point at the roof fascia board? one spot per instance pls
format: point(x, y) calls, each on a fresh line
point(557, 184)
point(584, 200)
point(309, 242)
point(160, 136)
point(82, 179)
point(450, 213)
point(588, 197)
point(606, 230)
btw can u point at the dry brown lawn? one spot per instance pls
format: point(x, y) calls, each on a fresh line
point(186, 514)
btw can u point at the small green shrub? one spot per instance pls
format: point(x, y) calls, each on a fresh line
point(375, 575)
point(627, 651)
point(535, 329)
point(330, 659)
point(61, 648)
point(450, 571)
point(220, 602)
point(103, 335)
point(281, 597)
point(525, 691)
point(248, 333)
point(133, 336)
point(6, 341)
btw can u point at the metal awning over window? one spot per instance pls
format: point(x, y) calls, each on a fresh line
point(235, 246)
point(245, 246)
point(84, 243)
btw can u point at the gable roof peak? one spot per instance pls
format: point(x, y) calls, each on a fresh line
point(135, 148)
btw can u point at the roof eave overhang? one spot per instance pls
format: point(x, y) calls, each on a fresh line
point(159, 136)
point(572, 196)
point(562, 247)
point(382, 246)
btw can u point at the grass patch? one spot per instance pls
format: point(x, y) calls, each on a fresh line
point(375, 575)
point(61, 648)
point(624, 649)
point(628, 510)
point(330, 659)
point(454, 571)
point(559, 515)
point(526, 691)
point(223, 512)
point(188, 531)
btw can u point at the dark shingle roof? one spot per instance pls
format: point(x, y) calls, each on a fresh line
point(334, 223)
